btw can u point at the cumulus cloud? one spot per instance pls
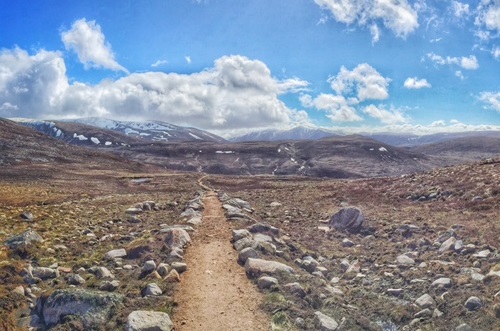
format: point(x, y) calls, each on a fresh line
point(468, 63)
point(397, 16)
point(364, 82)
point(88, 42)
point(235, 93)
point(338, 108)
point(415, 83)
point(491, 100)
point(460, 9)
point(385, 116)
point(489, 15)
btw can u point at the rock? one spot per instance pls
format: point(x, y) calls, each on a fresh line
point(441, 282)
point(95, 308)
point(152, 289)
point(349, 219)
point(423, 313)
point(101, 272)
point(395, 291)
point(464, 327)
point(246, 253)
point(141, 320)
point(447, 245)
point(262, 238)
point(133, 211)
point(244, 243)
point(172, 277)
point(437, 313)
point(162, 269)
point(347, 243)
point(27, 216)
point(296, 289)
point(149, 266)
point(473, 303)
point(19, 290)
point(109, 286)
point(177, 238)
point(425, 301)
point(190, 213)
point(45, 273)
point(274, 204)
point(75, 279)
point(180, 267)
point(404, 260)
point(116, 253)
point(266, 282)
point(267, 248)
point(239, 203)
point(24, 239)
point(326, 323)
point(239, 234)
point(259, 266)
point(482, 254)
point(264, 228)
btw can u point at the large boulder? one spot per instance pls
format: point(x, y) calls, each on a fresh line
point(141, 320)
point(349, 219)
point(259, 266)
point(177, 238)
point(94, 308)
point(24, 239)
point(326, 323)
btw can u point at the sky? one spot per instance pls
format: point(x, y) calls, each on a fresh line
point(233, 66)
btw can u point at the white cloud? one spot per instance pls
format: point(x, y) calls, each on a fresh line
point(88, 42)
point(363, 81)
point(459, 74)
point(438, 123)
point(415, 83)
point(460, 9)
point(397, 16)
point(338, 108)
point(188, 59)
point(392, 116)
point(235, 93)
point(454, 121)
point(159, 63)
point(489, 15)
point(375, 32)
point(496, 52)
point(491, 99)
point(468, 63)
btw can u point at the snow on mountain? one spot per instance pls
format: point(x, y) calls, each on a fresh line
point(296, 133)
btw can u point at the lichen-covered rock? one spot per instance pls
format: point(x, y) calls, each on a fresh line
point(259, 266)
point(95, 308)
point(349, 219)
point(326, 323)
point(141, 320)
point(24, 239)
point(177, 238)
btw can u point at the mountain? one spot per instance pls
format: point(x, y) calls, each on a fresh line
point(296, 133)
point(402, 139)
point(150, 130)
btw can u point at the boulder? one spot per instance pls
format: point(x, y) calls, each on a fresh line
point(325, 322)
point(180, 267)
point(115, 253)
point(246, 253)
point(266, 282)
point(259, 266)
point(141, 320)
point(448, 244)
point(240, 234)
point(349, 219)
point(75, 279)
point(264, 228)
point(109, 286)
point(24, 239)
point(162, 269)
point(244, 243)
point(94, 308)
point(177, 238)
point(101, 272)
point(152, 289)
point(149, 266)
point(404, 260)
point(441, 282)
point(425, 301)
point(473, 303)
point(296, 289)
point(45, 273)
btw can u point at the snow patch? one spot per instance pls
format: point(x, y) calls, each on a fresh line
point(130, 131)
point(195, 136)
point(224, 152)
point(383, 149)
point(80, 136)
point(107, 143)
point(95, 140)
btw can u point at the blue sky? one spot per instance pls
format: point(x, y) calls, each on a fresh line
point(231, 66)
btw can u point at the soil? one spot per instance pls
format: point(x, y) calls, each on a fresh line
point(215, 293)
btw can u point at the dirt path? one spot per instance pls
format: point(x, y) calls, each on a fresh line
point(215, 293)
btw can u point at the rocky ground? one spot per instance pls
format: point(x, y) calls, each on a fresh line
point(109, 250)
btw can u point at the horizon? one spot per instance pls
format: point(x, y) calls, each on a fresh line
point(232, 68)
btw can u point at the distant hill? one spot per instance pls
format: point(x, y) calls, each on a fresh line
point(297, 133)
point(401, 139)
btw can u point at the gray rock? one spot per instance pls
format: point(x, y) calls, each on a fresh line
point(93, 307)
point(404, 260)
point(141, 320)
point(447, 245)
point(425, 301)
point(262, 238)
point(464, 327)
point(473, 303)
point(19, 290)
point(349, 219)
point(395, 291)
point(191, 213)
point(296, 289)
point(239, 203)
point(24, 239)
point(27, 216)
point(101, 272)
point(244, 243)
point(266, 282)
point(259, 266)
point(152, 289)
point(177, 238)
point(482, 254)
point(162, 269)
point(180, 267)
point(149, 266)
point(239, 234)
point(441, 282)
point(347, 243)
point(133, 211)
point(423, 313)
point(45, 273)
point(264, 228)
point(115, 253)
point(326, 323)
point(275, 204)
point(75, 279)
point(246, 253)
point(109, 286)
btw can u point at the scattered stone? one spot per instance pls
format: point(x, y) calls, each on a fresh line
point(425, 301)
point(436, 313)
point(177, 238)
point(93, 307)
point(447, 245)
point(75, 280)
point(259, 266)
point(395, 291)
point(349, 219)
point(441, 282)
point(133, 211)
point(149, 266)
point(45, 273)
point(296, 289)
point(116, 253)
point(19, 290)
point(244, 243)
point(141, 320)
point(464, 327)
point(152, 289)
point(473, 303)
point(172, 277)
point(109, 286)
point(262, 238)
point(347, 243)
point(326, 323)
point(404, 260)
point(423, 313)
point(482, 254)
point(246, 253)
point(274, 204)
point(180, 267)
point(264, 228)
point(27, 216)
point(101, 272)
point(24, 239)
point(162, 269)
point(266, 282)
